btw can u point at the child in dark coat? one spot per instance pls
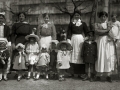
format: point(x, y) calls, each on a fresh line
point(4, 58)
point(53, 59)
point(89, 55)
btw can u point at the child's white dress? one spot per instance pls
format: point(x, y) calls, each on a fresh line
point(64, 58)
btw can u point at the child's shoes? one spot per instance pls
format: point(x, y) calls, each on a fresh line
point(18, 79)
point(47, 77)
point(6, 79)
point(28, 77)
point(0, 79)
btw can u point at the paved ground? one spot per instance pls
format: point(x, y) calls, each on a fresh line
point(69, 84)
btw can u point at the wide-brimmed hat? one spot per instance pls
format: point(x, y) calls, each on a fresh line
point(3, 43)
point(64, 42)
point(32, 35)
point(20, 45)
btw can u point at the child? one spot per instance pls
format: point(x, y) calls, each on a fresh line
point(53, 59)
point(89, 55)
point(43, 62)
point(32, 50)
point(20, 61)
point(63, 58)
point(4, 58)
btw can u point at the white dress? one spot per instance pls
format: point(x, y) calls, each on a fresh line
point(106, 51)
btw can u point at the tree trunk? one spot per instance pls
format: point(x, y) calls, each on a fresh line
point(106, 5)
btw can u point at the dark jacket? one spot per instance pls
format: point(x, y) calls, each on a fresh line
point(5, 54)
point(89, 52)
point(73, 29)
point(7, 32)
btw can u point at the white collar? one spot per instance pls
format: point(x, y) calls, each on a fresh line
point(77, 22)
point(2, 24)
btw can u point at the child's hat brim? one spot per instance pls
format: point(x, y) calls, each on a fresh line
point(55, 41)
point(20, 45)
point(63, 42)
point(32, 35)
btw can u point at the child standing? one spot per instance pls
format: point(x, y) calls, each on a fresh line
point(32, 50)
point(53, 59)
point(20, 61)
point(43, 62)
point(4, 58)
point(63, 58)
point(89, 55)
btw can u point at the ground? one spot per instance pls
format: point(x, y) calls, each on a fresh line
point(69, 84)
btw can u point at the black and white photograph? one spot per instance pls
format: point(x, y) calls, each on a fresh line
point(59, 44)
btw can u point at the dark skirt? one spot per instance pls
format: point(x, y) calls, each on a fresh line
point(78, 68)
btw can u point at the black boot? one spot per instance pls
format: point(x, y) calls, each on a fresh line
point(85, 78)
point(92, 77)
point(109, 79)
point(98, 78)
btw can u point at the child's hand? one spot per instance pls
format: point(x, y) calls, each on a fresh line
point(35, 63)
point(3, 62)
point(27, 64)
point(60, 64)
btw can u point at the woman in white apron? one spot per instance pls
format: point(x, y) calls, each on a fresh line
point(106, 50)
point(46, 32)
point(75, 35)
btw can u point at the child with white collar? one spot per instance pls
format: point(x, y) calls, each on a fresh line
point(43, 62)
point(89, 55)
point(63, 58)
point(20, 60)
point(32, 50)
point(4, 58)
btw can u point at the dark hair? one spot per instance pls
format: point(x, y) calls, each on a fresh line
point(102, 13)
point(45, 14)
point(91, 33)
point(2, 16)
point(77, 12)
point(114, 15)
point(21, 13)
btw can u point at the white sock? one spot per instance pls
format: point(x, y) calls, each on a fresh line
point(46, 75)
point(29, 73)
point(38, 75)
point(0, 75)
point(5, 75)
point(19, 76)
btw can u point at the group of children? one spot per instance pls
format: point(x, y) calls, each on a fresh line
point(34, 58)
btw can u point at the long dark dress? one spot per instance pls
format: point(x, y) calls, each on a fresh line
point(19, 31)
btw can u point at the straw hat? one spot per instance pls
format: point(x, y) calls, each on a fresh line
point(3, 43)
point(32, 35)
point(20, 45)
point(64, 42)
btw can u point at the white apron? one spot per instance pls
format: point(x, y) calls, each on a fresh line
point(76, 41)
point(106, 54)
point(46, 40)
